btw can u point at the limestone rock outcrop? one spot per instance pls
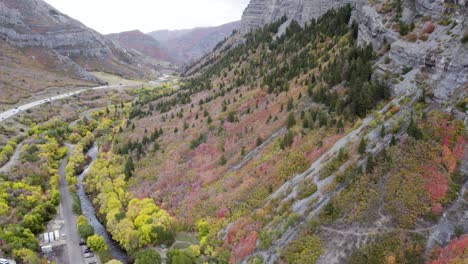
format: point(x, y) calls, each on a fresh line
point(261, 12)
point(440, 56)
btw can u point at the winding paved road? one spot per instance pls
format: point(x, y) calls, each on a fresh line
point(12, 112)
point(66, 203)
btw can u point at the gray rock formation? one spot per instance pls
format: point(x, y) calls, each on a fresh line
point(37, 24)
point(442, 58)
point(371, 27)
point(34, 23)
point(261, 12)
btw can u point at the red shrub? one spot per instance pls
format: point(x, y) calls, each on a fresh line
point(222, 212)
point(459, 150)
point(448, 159)
point(437, 183)
point(429, 27)
point(240, 229)
point(437, 209)
point(453, 252)
point(244, 247)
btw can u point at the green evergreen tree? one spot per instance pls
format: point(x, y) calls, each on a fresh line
point(129, 168)
point(414, 131)
point(259, 141)
point(362, 146)
point(382, 131)
point(291, 121)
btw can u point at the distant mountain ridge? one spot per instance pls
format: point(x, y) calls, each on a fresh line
point(187, 45)
point(142, 43)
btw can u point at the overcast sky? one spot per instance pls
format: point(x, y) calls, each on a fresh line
point(112, 16)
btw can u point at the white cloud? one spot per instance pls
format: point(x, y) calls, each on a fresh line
point(110, 16)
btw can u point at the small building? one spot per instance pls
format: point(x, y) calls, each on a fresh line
point(51, 237)
point(9, 261)
point(46, 238)
point(46, 249)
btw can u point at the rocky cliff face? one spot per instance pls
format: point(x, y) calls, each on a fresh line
point(191, 44)
point(439, 57)
point(261, 12)
point(35, 24)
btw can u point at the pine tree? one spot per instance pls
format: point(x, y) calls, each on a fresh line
point(414, 131)
point(288, 140)
point(129, 168)
point(259, 141)
point(291, 121)
point(362, 146)
point(340, 125)
point(370, 164)
point(223, 160)
point(290, 104)
point(305, 123)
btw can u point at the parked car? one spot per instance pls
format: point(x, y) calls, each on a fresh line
point(4, 261)
point(87, 250)
point(82, 243)
point(88, 255)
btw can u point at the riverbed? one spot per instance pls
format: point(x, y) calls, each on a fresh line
point(89, 212)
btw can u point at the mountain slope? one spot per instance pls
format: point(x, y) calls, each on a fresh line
point(191, 44)
point(25, 71)
point(289, 147)
point(65, 42)
point(339, 140)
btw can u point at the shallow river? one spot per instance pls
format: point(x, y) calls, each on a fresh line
point(90, 213)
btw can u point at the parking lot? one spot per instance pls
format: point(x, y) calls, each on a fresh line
point(54, 244)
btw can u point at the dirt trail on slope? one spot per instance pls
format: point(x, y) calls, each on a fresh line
point(13, 160)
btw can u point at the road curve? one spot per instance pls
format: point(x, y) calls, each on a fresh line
point(12, 112)
point(66, 203)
